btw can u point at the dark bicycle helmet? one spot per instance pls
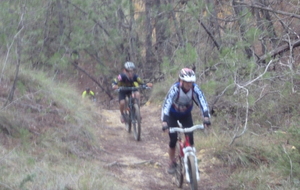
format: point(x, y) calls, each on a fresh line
point(129, 65)
point(187, 75)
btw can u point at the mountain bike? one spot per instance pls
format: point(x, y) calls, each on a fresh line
point(132, 111)
point(185, 157)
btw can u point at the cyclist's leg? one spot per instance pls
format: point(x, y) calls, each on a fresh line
point(172, 144)
point(136, 93)
point(173, 139)
point(187, 122)
point(137, 96)
point(122, 96)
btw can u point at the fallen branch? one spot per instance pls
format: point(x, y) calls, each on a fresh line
point(92, 78)
point(279, 50)
point(271, 10)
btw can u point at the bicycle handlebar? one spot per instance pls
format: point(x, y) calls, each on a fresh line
point(182, 130)
point(124, 88)
point(185, 130)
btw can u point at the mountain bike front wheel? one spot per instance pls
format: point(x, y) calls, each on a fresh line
point(136, 122)
point(179, 167)
point(192, 173)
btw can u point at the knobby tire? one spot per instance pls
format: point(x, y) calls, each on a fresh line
point(179, 167)
point(136, 122)
point(192, 173)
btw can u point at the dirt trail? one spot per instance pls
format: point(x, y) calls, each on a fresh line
point(142, 165)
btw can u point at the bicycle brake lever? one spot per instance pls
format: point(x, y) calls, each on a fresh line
point(179, 124)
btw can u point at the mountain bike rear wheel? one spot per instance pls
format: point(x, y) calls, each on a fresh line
point(192, 173)
point(179, 167)
point(136, 122)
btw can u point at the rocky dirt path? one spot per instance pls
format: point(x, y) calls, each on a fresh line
point(142, 165)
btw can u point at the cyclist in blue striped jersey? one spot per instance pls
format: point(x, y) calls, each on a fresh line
point(178, 105)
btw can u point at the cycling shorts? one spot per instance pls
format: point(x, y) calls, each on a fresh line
point(186, 121)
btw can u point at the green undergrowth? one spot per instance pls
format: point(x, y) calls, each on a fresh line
point(159, 91)
point(48, 136)
point(256, 161)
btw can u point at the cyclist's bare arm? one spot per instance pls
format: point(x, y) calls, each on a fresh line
point(149, 85)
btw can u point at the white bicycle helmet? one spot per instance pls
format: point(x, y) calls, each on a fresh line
point(187, 75)
point(129, 65)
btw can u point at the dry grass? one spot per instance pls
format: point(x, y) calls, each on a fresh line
point(47, 137)
point(265, 161)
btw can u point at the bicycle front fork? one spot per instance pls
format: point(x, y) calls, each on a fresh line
point(190, 151)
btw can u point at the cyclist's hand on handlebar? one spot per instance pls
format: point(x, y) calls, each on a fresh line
point(206, 122)
point(115, 87)
point(165, 126)
point(149, 85)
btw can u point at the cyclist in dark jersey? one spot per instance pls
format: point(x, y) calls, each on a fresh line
point(178, 105)
point(127, 79)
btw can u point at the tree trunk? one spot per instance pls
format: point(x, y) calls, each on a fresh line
point(161, 46)
point(148, 42)
point(214, 26)
point(259, 23)
point(132, 35)
point(239, 11)
point(269, 28)
point(60, 18)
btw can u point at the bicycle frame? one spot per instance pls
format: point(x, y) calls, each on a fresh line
point(186, 149)
point(130, 100)
point(132, 106)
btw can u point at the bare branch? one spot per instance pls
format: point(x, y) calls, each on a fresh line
point(271, 10)
point(266, 69)
point(247, 103)
point(7, 54)
point(209, 34)
point(246, 119)
point(18, 52)
point(291, 163)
